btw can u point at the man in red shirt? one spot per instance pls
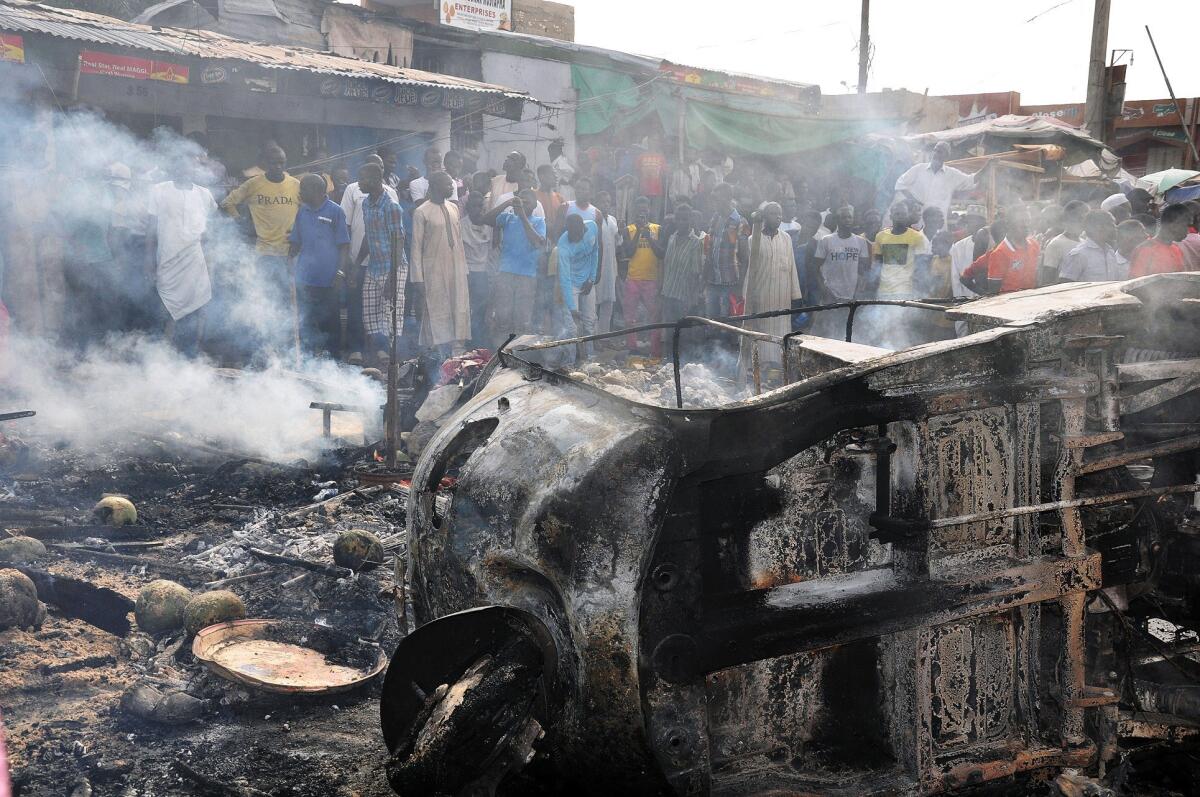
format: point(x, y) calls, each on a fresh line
point(1161, 254)
point(1011, 265)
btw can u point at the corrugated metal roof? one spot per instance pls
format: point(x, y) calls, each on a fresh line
point(21, 16)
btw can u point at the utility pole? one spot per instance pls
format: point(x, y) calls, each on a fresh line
point(1097, 85)
point(864, 46)
point(1178, 108)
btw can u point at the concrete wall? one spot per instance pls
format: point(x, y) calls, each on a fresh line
point(550, 82)
point(542, 18)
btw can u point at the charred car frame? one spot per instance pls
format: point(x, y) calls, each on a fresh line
point(901, 572)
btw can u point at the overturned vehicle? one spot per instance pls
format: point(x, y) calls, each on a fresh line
point(900, 572)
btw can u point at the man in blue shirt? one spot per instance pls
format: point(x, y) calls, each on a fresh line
point(319, 245)
point(578, 269)
point(522, 242)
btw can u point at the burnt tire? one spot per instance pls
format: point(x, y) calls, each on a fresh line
point(452, 744)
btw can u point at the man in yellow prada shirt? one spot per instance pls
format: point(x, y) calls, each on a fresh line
point(273, 198)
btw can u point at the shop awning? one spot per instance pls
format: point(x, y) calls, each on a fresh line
point(728, 121)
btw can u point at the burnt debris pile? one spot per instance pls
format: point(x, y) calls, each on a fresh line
point(105, 685)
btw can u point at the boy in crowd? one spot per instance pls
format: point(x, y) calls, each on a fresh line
point(1073, 217)
point(319, 245)
point(477, 245)
point(645, 248)
point(578, 269)
point(1161, 254)
point(523, 238)
point(1012, 264)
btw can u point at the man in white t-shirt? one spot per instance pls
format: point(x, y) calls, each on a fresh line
point(964, 252)
point(1061, 245)
point(838, 259)
point(418, 189)
point(179, 212)
point(934, 183)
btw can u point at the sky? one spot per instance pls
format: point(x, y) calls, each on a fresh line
point(1037, 47)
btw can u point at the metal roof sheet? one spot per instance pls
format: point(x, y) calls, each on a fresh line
point(22, 16)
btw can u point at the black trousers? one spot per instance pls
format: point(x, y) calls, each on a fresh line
point(319, 318)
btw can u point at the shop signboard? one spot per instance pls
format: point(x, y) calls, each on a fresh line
point(477, 14)
point(92, 62)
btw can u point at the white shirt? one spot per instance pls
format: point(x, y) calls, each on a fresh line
point(418, 189)
point(606, 290)
point(352, 206)
point(179, 218)
point(962, 255)
point(843, 257)
point(477, 244)
point(934, 188)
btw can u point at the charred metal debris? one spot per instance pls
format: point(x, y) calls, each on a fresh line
point(909, 572)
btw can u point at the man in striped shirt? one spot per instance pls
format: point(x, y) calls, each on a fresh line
point(683, 268)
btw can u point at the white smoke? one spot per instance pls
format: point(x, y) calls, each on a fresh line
point(120, 385)
point(135, 388)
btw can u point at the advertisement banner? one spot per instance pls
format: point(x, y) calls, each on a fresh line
point(168, 72)
point(12, 48)
point(112, 65)
point(477, 14)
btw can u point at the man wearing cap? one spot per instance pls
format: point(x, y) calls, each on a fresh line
point(934, 183)
point(1118, 205)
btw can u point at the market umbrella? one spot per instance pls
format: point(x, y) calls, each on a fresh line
point(1161, 182)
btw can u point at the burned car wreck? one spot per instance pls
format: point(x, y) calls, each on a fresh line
point(900, 572)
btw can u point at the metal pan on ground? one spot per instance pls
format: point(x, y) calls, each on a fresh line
point(287, 657)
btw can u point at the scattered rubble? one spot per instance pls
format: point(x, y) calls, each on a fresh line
point(92, 702)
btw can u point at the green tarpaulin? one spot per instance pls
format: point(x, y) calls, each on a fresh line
point(729, 123)
point(607, 99)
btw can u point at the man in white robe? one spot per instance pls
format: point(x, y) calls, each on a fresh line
point(179, 213)
point(438, 270)
point(771, 283)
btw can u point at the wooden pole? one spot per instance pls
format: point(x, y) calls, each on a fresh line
point(1097, 85)
point(1182, 121)
point(391, 430)
point(864, 46)
point(295, 316)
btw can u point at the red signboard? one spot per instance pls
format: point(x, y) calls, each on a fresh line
point(974, 108)
point(113, 65)
point(12, 48)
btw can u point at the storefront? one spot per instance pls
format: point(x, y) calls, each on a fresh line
point(236, 93)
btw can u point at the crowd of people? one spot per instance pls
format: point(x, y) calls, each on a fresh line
point(565, 250)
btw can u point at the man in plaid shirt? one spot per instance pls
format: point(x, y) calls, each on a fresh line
point(727, 253)
point(383, 251)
